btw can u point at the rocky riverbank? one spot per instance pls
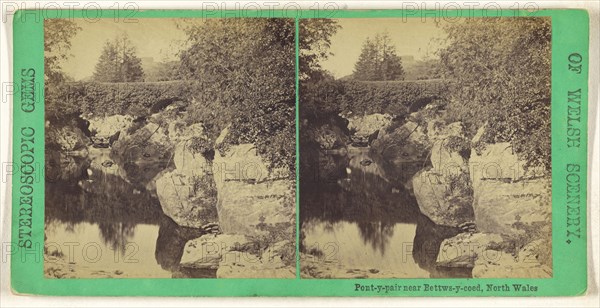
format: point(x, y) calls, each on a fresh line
point(239, 205)
point(500, 209)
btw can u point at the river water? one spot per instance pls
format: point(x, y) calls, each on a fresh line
point(359, 214)
point(106, 226)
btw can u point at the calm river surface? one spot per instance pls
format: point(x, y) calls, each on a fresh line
point(106, 226)
point(357, 215)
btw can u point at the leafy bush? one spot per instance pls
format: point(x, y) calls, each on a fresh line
point(202, 145)
point(459, 195)
point(460, 145)
point(246, 68)
point(314, 42)
point(321, 99)
point(500, 68)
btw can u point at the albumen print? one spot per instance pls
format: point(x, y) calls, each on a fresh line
point(170, 148)
point(425, 148)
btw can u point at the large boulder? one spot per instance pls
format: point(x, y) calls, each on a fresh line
point(189, 162)
point(110, 125)
point(368, 124)
point(144, 153)
point(236, 256)
point(365, 126)
point(407, 144)
point(462, 250)
point(496, 162)
point(507, 198)
point(189, 200)
point(270, 264)
point(209, 250)
point(244, 208)
point(239, 163)
point(511, 208)
point(251, 196)
point(513, 201)
point(445, 199)
point(445, 159)
point(524, 264)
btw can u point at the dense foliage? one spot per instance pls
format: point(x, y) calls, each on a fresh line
point(57, 43)
point(356, 97)
point(246, 71)
point(135, 98)
point(500, 68)
point(321, 99)
point(378, 60)
point(396, 98)
point(119, 62)
point(314, 42)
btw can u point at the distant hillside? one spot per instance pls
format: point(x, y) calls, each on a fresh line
point(421, 69)
point(159, 71)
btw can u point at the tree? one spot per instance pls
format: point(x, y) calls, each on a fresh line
point(245, 71)
point(58, 34)
point(119, 62)
point(378, 60)
point(500, 72)
point(366, 66)
point(319, 91)
point(314, 43)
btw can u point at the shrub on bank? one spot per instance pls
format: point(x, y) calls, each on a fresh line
point(504, 85)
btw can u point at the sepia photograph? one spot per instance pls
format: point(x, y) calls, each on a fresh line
point(425, 148)
point(170, 148)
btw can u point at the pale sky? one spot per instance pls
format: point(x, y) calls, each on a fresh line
point(160, 39)
point(411, 37)
point(152, 37)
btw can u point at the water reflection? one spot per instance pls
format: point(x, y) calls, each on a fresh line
point(85, 255)
point(427, 242)
point(365, 206)
point(117, 235)
point(103, 199)
point(362, 195)
point(169, 249)
point(98, 205)
point(377, 234)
